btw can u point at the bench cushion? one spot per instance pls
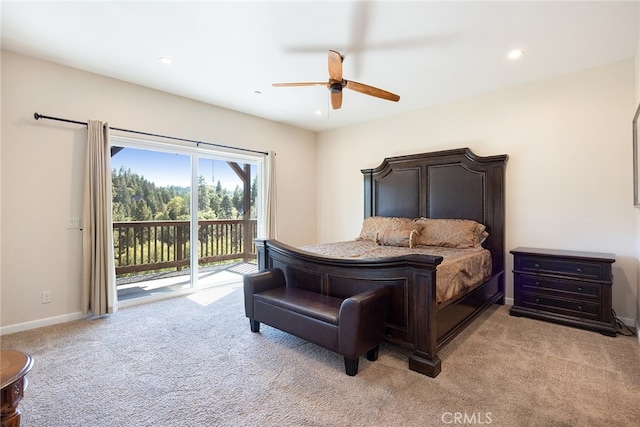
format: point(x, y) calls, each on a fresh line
point(317, 306)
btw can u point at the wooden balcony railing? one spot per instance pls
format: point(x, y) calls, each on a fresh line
point(151, 246)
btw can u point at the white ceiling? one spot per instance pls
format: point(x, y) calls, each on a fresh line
point(225, 51)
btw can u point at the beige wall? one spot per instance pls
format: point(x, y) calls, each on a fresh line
point(42, 173)
point(569, 174)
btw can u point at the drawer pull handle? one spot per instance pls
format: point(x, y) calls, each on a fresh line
point(537, 283)
point(580, 288)
point(537, 299)
point(580, 307)
point(579, 270)
point(536, 265)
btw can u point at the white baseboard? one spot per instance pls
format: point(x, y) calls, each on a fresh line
point(19, 327)
point(629, 322)
point(508, 301)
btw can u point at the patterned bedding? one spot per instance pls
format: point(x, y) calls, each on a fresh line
point(460, 271)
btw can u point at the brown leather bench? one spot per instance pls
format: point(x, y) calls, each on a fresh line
point(351, 327)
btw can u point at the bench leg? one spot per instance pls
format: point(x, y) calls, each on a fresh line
point(351, 366)
point(255, 325)
point(372, 354)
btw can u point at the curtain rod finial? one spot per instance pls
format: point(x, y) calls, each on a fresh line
point(36, 116)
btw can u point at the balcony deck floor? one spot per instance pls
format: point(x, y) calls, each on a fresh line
point(164, 283)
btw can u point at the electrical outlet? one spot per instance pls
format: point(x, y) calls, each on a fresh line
point(46, 297)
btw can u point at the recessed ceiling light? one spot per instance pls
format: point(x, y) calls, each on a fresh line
point(165, 60)
point(318, 112)
point(515, 54)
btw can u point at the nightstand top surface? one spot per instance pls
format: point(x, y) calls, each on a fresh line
point(565, 253)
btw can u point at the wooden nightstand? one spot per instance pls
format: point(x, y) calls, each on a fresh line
point(567, 287)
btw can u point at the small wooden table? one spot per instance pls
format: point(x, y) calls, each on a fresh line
point(14, 366)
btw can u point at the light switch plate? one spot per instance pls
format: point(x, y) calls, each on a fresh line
point(73, 223)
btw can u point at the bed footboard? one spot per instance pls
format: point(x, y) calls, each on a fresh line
point(411, 320)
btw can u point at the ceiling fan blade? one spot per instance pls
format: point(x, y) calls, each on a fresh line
point(336, 100)
point(370, 90)
point(299, 84)
point(335, 66)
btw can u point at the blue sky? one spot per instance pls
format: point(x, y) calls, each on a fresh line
point(166, 169)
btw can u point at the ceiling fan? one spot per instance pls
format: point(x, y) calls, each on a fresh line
point(336, 83)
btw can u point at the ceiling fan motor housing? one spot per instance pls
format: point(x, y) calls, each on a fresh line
point(335, 87)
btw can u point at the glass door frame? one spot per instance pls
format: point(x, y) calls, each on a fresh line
point(195, 154)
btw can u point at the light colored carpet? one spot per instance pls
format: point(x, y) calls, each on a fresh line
point(192, 361)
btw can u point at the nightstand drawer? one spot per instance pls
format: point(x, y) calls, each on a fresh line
point(567, 307)
point(559, 287)
point(572, 268)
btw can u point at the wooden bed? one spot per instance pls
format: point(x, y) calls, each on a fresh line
point(445, 184)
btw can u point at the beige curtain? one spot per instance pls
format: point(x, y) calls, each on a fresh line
point(270, 196)
point(99, 279)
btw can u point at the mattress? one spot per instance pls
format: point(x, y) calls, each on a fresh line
point(460, 271)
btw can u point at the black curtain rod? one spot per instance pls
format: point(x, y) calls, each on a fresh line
point(38, 116)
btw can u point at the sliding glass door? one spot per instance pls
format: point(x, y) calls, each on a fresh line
point(151, 221)
point(227, 219)
point(183, 218)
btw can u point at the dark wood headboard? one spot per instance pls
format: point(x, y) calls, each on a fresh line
point(443, 184)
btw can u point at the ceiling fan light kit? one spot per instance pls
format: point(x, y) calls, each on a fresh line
point(336, 83)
